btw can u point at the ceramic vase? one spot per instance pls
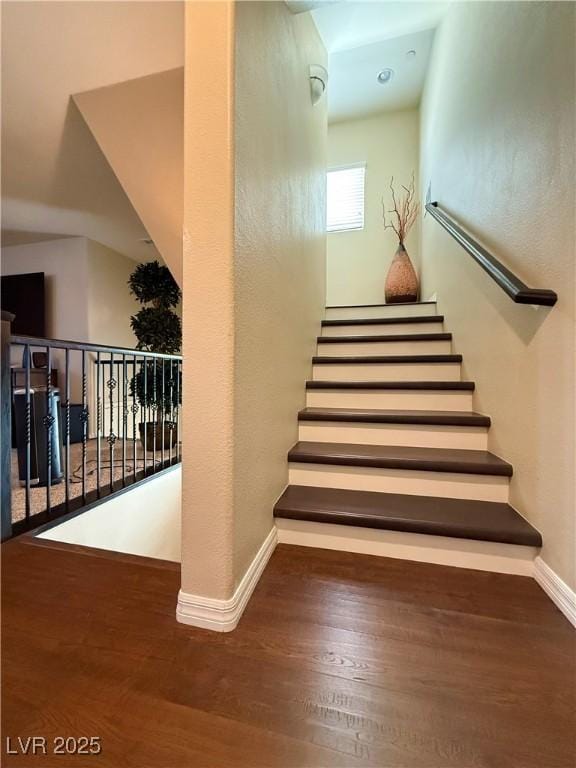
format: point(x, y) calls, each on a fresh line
point(401, 280)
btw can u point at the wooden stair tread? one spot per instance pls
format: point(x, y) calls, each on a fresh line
point(457, 518)
point(401, 457)
point(383, 359)
point(385, 416)
point(395, 304)
point(388, 337)
point(386, 320)
point(393, 385)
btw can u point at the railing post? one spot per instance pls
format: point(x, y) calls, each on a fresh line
point(6, 426)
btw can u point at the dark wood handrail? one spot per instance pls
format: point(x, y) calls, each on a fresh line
point(518, 291)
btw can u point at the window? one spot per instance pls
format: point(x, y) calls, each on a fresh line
point(345, 198)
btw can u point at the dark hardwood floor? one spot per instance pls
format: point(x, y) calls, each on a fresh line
point(339, 660)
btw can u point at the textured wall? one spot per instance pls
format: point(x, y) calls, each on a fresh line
point(279, 268)
point(498, 145)
point(254, 261)
point(208, 301)
point(357, 261)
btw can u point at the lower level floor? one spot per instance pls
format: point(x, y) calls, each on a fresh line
point(340, 660)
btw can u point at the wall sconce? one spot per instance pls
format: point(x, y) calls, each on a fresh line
point(318, 82)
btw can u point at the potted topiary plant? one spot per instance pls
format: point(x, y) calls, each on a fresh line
point(158, 329)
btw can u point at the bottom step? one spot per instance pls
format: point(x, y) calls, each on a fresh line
point(466, 533)
point(439, 550)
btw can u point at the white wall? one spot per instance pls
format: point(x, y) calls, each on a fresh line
point(358, 261)
point(110, 303)
point(144, 521)
point(65, 268)
point(498, 145)
point(87, 296)
point(55, 179)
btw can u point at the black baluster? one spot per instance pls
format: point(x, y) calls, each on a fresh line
point(154, 415)
point(98, 423)
point(134, 412)
point(67, 429)
point(48, 424)
point(111, 436)
point(145, 414)
point(178, 373)
point(124, 418)
point(171, 421)
point(163, 415)
point(84, 417)
point(28, 429)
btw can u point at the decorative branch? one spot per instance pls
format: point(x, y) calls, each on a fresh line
point(404, 213)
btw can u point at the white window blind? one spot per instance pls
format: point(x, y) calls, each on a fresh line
point(345, 198)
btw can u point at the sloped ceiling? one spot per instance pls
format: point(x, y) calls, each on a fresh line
point(55, 179)
point(139, 126)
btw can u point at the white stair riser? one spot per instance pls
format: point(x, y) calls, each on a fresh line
point(419, 400)
point(441, 550)
point(387, 372)
point(385, 329)
point(352, 348)
point(421, 435)
point(450, 485)
point(390, 310)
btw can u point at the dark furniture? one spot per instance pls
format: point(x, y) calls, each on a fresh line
point(24, 297)
point(45, 450)
point(37, 377)
point(76, 423)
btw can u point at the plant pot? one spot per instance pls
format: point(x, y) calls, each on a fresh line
point(156, 428)
point(401, 281)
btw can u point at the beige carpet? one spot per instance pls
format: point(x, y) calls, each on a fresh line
point(38, 496)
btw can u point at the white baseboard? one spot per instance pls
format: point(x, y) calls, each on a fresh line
point(224, 615)
point(424, 548)
point(556, 589)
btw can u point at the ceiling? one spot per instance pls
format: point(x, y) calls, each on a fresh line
point(354, 90)
point(55, 179)
point(362, 38)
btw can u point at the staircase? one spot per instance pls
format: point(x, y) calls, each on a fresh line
point(392, 459)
